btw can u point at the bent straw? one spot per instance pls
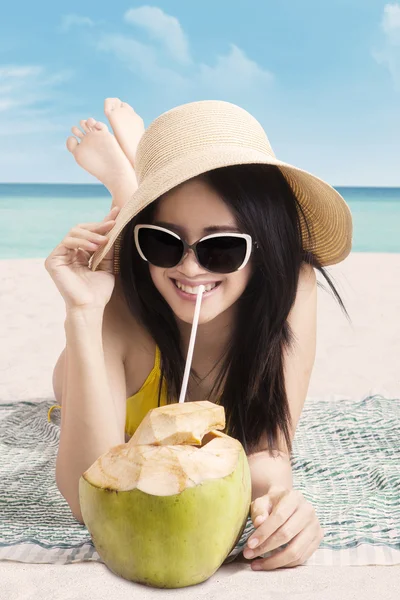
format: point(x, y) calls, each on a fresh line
point(191, 343)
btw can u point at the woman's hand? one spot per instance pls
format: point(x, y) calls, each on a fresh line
point(283, 516)
point(68, 265)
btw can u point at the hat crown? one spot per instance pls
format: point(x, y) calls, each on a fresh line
point(191, 128)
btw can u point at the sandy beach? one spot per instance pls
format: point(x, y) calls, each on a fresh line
point(354, 360)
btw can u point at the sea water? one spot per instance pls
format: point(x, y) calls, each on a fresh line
point(34, 218)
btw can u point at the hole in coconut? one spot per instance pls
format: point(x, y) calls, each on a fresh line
point(207, 438)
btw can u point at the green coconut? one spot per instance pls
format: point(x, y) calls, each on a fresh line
point(166, 508)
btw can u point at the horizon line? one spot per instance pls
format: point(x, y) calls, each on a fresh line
point(394, 187)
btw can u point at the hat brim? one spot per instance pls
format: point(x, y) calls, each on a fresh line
point(327, 213)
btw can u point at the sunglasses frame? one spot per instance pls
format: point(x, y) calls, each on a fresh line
point(186, 246)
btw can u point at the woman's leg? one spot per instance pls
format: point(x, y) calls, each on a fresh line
point(126, 124)
point(99, 153)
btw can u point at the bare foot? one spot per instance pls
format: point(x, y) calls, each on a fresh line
point(99, 153)
point(127, 126)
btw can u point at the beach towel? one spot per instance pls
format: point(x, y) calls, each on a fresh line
point(346, 462)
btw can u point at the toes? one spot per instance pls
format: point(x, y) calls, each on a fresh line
point(72, 143)
point(96, 125)
point(77, 132)
point(101, 126)
point(110, 104)
point(93, 124)
point(126, 105)
point(84, 126)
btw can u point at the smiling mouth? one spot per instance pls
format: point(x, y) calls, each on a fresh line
point(193, 290)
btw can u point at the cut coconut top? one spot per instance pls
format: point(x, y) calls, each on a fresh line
point(179, 423)
point(164, 470)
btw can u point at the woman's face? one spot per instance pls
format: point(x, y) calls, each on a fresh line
point(188, 210)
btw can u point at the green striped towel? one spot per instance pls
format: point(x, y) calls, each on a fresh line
point(346, 462)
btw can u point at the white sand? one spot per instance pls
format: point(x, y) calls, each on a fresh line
point(352, 360)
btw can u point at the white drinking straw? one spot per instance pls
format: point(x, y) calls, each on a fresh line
point(191, 343)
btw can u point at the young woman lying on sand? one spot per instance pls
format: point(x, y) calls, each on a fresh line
point(214, 207)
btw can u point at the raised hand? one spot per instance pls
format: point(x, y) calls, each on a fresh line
point(68, 265)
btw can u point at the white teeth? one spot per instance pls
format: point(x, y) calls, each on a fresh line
point(194, 290)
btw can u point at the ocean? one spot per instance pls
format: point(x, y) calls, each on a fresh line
point(34, 218)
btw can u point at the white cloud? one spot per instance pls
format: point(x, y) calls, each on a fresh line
point(234, 76)
point(232, 71)
point(19, 72)
point(139, 58)
point(68, 21)
point(15, 81)
point(389, 53)
point(391, 21)
point(5, 105)
point(23, 90)
point(28, 126)
point(165, 58)
point(163, 28)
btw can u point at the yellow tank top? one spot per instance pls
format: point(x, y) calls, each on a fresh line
point(138, 405)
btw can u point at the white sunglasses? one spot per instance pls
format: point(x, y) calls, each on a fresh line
point(217, 253)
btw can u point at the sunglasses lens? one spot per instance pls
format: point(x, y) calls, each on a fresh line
point(160, 248)
point(222, 254)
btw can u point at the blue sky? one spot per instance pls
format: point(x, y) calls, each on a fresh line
point(323, 78)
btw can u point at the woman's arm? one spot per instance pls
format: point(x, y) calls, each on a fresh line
point(267, 470)
point(93, 399)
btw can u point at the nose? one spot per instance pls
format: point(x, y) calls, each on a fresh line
point(189, 265)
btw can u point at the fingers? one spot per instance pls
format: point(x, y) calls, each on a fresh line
point(283, 509)
point(77, 235)
point(295, 553)
point(292, 527)
point(260, 508)
point(90, 236)
point(309, 551)
point(73, 243)
point(113, 213)
point(111, 216)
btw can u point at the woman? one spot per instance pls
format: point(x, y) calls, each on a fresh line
point(215, 207)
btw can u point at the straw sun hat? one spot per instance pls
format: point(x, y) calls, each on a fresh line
point(200, 136)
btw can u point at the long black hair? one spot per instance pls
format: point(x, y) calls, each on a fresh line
point(250, 374)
